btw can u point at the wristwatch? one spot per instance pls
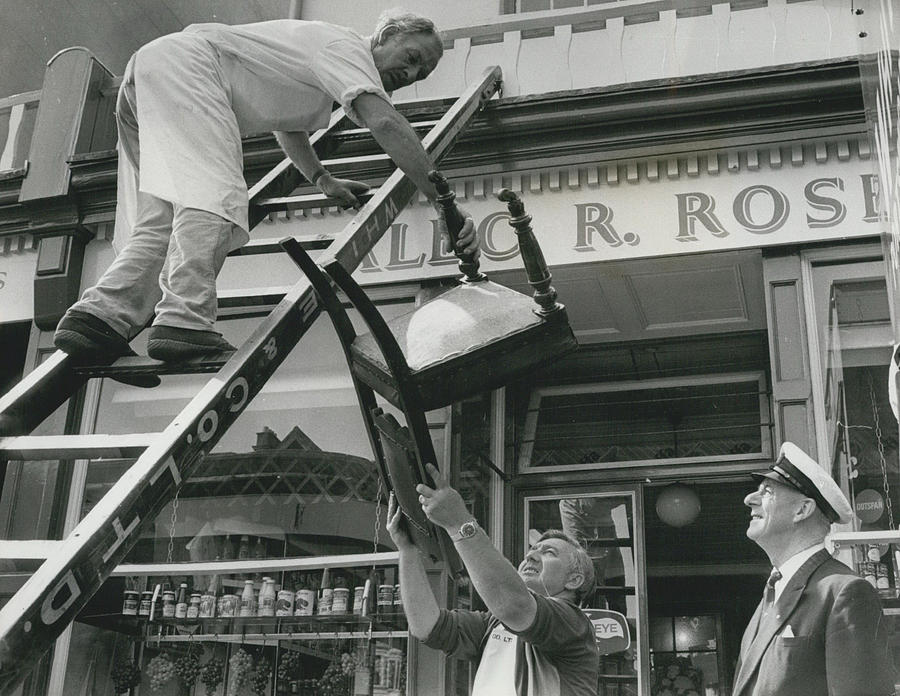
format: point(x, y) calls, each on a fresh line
point(466, 531)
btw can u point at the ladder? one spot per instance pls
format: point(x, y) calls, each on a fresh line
point(74, 568)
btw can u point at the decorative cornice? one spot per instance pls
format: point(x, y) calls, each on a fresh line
point(781, 116)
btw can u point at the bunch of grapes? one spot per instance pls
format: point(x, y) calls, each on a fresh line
point(289, 665)
point(239, 667)
point(125, 674)
point(333, 681)
point(160, 670)
point(187, 668)
point(261, 676)
point(348, 663)
point(211, 674)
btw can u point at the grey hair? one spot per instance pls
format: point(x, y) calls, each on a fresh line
point(403, 22)
point(581, 563)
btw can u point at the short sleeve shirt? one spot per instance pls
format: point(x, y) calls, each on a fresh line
point(200, 90)
point(556, 656)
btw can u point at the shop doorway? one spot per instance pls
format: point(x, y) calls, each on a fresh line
point(704, 579)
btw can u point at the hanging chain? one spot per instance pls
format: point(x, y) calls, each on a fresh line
point(172, 527)
point(880, 441)
point(378, 497)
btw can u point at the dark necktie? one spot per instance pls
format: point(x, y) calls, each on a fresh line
point(769, 593)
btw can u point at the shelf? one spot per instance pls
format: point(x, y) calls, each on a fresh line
point(883, 536)
point(261, 565)
point(255, 628)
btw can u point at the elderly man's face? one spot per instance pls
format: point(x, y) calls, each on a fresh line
point(772, 506)
point(406, 58)
point(547, 566)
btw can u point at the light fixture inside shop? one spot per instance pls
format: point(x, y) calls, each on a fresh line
point(678, 505)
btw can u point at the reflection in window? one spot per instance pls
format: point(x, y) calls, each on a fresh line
point(604, 526)
point(684, 656)
point(581, 425)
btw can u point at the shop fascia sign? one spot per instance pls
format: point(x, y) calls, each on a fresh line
point(574, 225)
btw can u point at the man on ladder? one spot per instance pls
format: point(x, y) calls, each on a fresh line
point(184, 103)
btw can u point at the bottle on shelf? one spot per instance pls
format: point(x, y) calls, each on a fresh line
point(304, 597)
point(326, 594)
point(258, 552)
point(340, 599)
point(386, 593)
point(266, 606)
point(210, 597)
point(181, 602)
point(244, 548)
point(284, 598)
point(248, 600)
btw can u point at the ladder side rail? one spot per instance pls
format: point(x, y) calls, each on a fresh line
point(331, 303)
point(63, 584)
point(38, 394)
point(351, 246)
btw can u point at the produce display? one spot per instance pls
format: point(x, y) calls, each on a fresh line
point(126, 675)
point(160, 670)
point(211, 674)
point(239, 666)
point(261, 676)
point(187, 669)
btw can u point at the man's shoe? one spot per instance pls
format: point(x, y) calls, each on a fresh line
point(89, 340)
point(173, 344)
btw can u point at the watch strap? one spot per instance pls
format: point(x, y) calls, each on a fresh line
point(466, 530)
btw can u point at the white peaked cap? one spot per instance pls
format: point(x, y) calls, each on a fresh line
point(795, 468)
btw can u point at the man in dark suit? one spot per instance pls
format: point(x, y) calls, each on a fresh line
point(819, 629)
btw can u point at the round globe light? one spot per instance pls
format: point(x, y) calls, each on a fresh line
point(678, 505)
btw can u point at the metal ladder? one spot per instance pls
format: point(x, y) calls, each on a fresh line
point(74, 568)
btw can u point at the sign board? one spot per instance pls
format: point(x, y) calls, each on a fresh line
point(663, 217)
point(610, 630)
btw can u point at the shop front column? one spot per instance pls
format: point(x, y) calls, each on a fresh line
point(788, 351)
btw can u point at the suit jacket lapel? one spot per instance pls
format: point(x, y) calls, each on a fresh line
point(771, 623)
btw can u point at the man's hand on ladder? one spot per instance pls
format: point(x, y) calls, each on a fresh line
point(344, 190)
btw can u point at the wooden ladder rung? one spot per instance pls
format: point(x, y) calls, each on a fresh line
point(47, 447)
point(29, 550)
point(142, 365)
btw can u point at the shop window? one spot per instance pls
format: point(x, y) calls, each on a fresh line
point(685, 657)
point(290, 483)
point(689, 419)
point(604, 524)
point(853, 312)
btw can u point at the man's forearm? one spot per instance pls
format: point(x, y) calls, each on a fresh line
point(399, 140)
point(497, 582)
point(421, 608)
point(297, 147)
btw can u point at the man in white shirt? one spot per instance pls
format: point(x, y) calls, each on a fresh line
point(819, 628)
point(533, 640)
point(185, 102)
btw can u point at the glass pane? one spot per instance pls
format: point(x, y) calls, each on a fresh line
point(862, 431)
point(604, 525)
point(685, 674)
point(662, 637)
point(293, 476)
point(579, 425)
point(695, 633)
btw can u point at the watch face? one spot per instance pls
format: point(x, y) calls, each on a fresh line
point(467, 530)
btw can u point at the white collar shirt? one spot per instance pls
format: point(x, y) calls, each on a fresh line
point(792, 565)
